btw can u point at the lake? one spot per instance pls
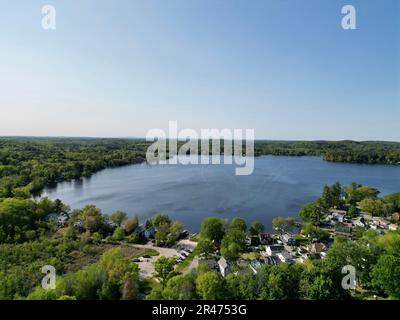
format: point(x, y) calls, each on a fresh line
point(279, 186)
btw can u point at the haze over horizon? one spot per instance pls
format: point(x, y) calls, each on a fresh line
point(287, 69)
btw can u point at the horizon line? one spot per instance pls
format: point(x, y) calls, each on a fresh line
point(143, 138)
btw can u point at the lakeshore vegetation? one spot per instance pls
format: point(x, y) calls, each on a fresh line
point(27, 165)
point(93, 253)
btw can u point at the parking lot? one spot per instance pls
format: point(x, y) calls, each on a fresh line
point(146, 265)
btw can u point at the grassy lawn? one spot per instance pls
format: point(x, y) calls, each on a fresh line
point(132, 252)
point(251, 255)
point(147, 284)
point(91, 254)
point(151, 252)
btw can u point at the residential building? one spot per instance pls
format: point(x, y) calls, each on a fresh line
point(149, 233)
point(360, 222)
point(285, 256)
point(223, 266)
point(210, 263)
point(272, 260)
point(344, 229)
point(265, 238)
point(316, 247)
point(337, 215)
point(380, 223)
point(274, 249)
point(288, 239)
point(255, 265)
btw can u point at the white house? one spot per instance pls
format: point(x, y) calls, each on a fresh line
point(223, 266)
point(338, 215)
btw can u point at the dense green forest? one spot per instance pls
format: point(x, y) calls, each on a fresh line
point(339, 151)
point(28, 164)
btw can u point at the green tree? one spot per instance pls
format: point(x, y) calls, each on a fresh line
point(118, 217)
point(352, 212)
point(312, 212)
point(233, 243)
point(284, 281)
point(16, 217)
point(332, 195)
point(238, 224)
point(156, 292)
point(210, 286)
point(160, 220)
point(164, 268)
point(204, 246)
point(161, 236)
point(119, 234)
point(283, 224)
point(307, 228)
point(320, 282)
point(393, 200)
point(131, 224)
point(375, 207)
point(256, 228)
point(385, 276)
point(122, 276)
point(212, 228)
point(92, 218)
point(96, 237)
point(174, 233)
point(243, 285)
point(130, 288)
point(356, 193)
point(361, 254)
point(181, 287)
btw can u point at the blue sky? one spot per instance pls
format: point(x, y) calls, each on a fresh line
point(285, 68)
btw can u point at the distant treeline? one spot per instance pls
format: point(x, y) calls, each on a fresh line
point(373, 152)
point(29, 164)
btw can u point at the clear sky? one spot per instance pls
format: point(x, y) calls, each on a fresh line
point(285, 68)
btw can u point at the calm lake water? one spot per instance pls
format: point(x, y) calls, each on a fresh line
point(279, 186)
